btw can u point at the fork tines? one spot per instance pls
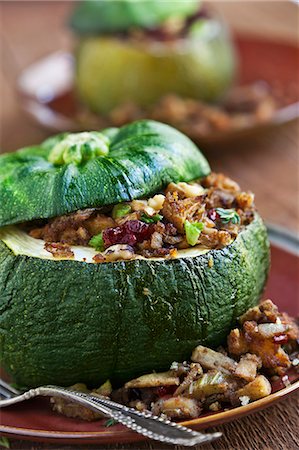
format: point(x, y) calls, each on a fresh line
point(7, 391)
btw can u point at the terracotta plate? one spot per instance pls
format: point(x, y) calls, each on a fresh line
point(47, 92)
point(35, 420)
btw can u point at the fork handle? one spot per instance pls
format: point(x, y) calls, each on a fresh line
point(145, 423)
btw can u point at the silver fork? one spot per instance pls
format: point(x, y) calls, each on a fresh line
point(145, 423)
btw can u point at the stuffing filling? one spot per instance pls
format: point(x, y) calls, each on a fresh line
point(208, 213)
point(262, 350)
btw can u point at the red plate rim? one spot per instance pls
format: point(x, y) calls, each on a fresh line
point(210, 420)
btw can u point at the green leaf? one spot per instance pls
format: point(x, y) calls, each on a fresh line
point(4, 442)
point(97, 242)
point(121, 210)
point(193, 231)
point(151, 219)
point(228, 215)
point(110, 423)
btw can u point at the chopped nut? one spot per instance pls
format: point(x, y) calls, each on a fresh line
point(263, 313)
point(118, 252)
point(220, 181)
point(256, 389)
point(156, 202)
point(99, 258)
point(132, 216)
point(186, 190)
point(210, 359)
point(142, 205)
point(178, 211)
point(247, 367)
point(237, 344)
point(177, 407)
point(215, 406)
point(156, 240)
point(98, 223)
point(245, 200)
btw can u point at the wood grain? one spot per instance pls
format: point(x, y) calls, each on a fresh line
point(267, 164)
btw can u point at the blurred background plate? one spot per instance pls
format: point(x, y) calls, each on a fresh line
point(48, 96)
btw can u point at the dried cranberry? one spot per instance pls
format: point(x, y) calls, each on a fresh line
point(161, 391)
point(140, 229)
point(118, 235)
point(130, 233)
point(213, 214)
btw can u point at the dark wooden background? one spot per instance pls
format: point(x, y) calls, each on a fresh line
point(267, 164)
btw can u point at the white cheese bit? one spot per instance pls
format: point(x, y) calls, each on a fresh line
point(174, 366)
point(285, 380)
point(244, 399)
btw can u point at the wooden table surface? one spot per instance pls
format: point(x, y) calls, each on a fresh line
point(267, 164)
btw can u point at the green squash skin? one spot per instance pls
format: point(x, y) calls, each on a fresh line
point(143, 158)
point(92, 16)
point(64, 322)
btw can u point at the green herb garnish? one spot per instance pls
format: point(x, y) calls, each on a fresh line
point(97, 242)
point(151, 219)
point(193, 230)
point(228, 215)
point(110, 423)
point(121, 210)
point(4, 442)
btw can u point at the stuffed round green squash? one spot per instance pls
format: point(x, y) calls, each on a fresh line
point(114, 261)
point(138, 51)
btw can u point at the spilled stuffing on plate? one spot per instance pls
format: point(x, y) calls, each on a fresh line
point(262, 349)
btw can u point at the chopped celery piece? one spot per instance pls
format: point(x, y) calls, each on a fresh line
point(120, 210)
point(97, 242)
point(193, 230)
